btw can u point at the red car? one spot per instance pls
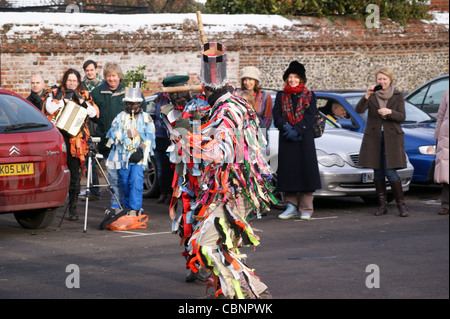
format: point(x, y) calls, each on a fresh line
point(34, 177)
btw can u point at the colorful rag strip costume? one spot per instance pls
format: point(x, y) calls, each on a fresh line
point(131, 175)
point(222, 154)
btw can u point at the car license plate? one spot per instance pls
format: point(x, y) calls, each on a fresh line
point(367, 177)
point(16, 169)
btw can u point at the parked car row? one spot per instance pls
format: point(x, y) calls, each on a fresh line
point(34, 177)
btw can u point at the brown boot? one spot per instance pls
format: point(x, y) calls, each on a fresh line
point(380, 188)
point(397, 191)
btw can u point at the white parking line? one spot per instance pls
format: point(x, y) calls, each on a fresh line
point(135, 234)
point(315, 218)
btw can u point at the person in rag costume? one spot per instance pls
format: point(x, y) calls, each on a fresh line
point(234, 180)
point(132, 140)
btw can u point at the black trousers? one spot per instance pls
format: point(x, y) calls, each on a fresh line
point(73, 164)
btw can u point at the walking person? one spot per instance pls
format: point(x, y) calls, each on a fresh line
point(441, 169)
point(71, 90)
point(383, 145)
point(232, 182)
point(298, 171)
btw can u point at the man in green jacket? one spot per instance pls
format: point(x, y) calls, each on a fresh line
point(109, 98)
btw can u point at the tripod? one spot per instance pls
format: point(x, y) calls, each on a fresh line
point(92, 154)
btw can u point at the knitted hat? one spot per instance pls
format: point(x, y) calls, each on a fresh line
point(251, 72)
point(214, 65)
point(296, 68)
point(175, 79)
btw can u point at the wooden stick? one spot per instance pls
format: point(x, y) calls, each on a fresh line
point(184, 88)
point(200, 27)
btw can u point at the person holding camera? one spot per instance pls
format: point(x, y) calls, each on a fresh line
point(77, 146)
point(132, 140)
point(383, 145)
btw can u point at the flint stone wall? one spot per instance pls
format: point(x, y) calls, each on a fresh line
point(338, 54)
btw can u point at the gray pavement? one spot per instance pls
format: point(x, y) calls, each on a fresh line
point(332, 256)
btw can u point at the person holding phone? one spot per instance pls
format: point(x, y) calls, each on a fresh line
point(383, 145)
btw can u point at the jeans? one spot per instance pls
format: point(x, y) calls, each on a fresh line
point(383, 172)
point(132, 184)
point(113, 176)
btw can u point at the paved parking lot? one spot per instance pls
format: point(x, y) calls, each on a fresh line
point(338, 254)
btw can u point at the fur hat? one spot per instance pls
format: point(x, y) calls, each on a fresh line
point(251, 72)
point(296, 68)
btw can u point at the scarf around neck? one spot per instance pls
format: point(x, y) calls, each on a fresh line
point(294, 113)
point(384, 95)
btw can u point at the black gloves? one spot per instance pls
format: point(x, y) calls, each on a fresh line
point(137, 156)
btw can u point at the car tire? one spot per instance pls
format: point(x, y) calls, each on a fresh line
point(151, 188)
point(35, 219)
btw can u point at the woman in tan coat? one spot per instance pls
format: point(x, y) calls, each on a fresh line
point(441, 134)
point(383, 145)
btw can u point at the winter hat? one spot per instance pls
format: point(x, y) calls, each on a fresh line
point(214, 65)
point(251, 72)
point(175, 79)
point(296, 68)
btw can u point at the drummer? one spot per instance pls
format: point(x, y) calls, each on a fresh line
point(77, 147)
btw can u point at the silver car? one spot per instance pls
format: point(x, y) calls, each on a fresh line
point(337, 154)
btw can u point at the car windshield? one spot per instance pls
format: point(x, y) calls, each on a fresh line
point(17, 115)
point(413, 113)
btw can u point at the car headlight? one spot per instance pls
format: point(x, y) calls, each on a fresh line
point(427, 149)
point(329, 160)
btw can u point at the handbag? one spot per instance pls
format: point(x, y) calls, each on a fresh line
point(318, 125)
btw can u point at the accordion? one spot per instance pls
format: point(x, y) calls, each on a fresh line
point(70, 118)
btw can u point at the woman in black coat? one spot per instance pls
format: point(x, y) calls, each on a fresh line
point(298, 172)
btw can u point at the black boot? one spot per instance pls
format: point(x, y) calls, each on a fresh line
point(397, 191)
point(380, 188)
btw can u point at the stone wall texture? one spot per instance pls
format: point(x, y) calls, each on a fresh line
point(337, 54)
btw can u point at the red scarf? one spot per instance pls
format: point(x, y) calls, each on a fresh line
point(287, 109)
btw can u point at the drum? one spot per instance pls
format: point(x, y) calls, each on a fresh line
point(70, 118)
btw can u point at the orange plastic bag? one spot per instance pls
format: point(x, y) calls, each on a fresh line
point(129, 222)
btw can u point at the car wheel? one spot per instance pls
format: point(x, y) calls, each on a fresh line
point(35, 219)
point(151, 188)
